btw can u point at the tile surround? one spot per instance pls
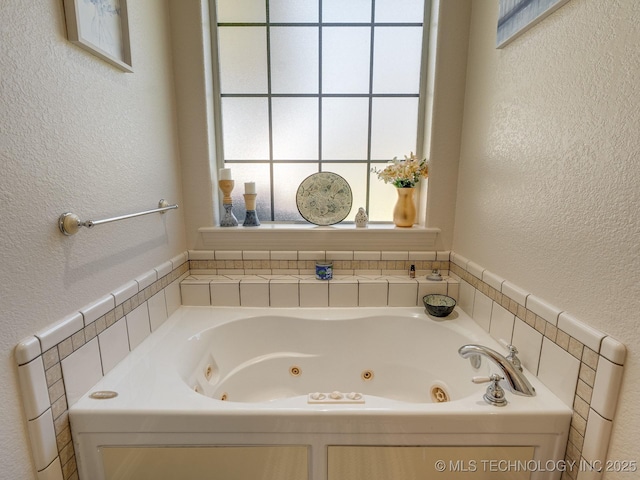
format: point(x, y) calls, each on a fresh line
point(482, 308)
point(138, 325)
point(62, 361)
point(283, 293)
point(492, 280)
point(33, 386)
point(559, 371)
point(513, 291)
point(267, 290)
point(361, 278)
point(126, 291)
point(543, 309)
point(81, 370)
point(529, 344)
point(372, 293)
point(114, 345)
point(366, 255)
point(303, 262)
point(547, 336)
point(580, 364)
point(157, 310)
point(42, 435)
point(254, 292)
point(57, 332)
point(501, 325)
point(343, 292)
point(593, 449)
point(608, 378)
point(52, 472)
point(92, 312)
point(147, 279)
point(313, 293)
point(467, 297)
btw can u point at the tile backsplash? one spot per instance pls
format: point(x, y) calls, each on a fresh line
point(63, 361)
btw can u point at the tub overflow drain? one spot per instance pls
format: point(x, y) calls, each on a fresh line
point(103, 395)
point(439, 394)
point(224, 397)
point(367, 375)
point(295, 371)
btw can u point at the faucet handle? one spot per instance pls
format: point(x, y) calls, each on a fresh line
point(513, 357)
point(495, 393)
point(493, 378)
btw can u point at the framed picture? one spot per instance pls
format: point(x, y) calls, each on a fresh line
point(102, 28)
point(517, 16)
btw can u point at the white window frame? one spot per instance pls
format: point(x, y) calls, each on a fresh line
point(422, 110)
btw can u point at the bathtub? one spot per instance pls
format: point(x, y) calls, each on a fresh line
point(337, 394)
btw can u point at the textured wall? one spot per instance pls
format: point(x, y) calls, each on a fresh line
point(548, 192)
point(77, 134)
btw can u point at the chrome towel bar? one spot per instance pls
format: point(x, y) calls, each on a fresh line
point(69, 223)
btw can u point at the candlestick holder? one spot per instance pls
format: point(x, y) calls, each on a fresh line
point(228, 218)
point(251, 220)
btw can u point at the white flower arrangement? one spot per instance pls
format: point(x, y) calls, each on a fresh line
point(404, 173)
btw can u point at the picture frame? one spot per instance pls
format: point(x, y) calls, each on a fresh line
point(102, 28)
point(517, 16)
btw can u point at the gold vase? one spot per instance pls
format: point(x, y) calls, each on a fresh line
point(404, 213)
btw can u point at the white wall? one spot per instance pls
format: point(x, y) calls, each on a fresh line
point(548, 190)
point(77, 134)
point(445, 100)
point(193, 86)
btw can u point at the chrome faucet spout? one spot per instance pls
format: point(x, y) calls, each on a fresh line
point(515, 378)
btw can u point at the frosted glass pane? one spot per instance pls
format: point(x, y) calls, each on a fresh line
point(356, 176)
point(287, 11)
point(287, 178)
point(345, 59)
point(338, 11)
point(345, 125)
point(243, 59)
point(397, 58)
point(294, 60)
point(400, 11)
point(241, 11)
point(382, 199)
point(295, 128)
point(251, 172)
point(394, 127)
point(245, 127)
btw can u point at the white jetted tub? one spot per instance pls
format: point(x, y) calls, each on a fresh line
point(338, 394)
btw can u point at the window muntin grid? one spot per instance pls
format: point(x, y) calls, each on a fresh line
point(280, 124)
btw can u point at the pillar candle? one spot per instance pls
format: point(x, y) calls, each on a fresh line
point(224, 174)
point(250, 187)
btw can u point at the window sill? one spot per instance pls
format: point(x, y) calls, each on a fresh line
point(312, 237)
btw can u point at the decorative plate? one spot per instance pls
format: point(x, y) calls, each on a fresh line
point(324, 198)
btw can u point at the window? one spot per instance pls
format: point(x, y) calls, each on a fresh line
point(317, 85)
